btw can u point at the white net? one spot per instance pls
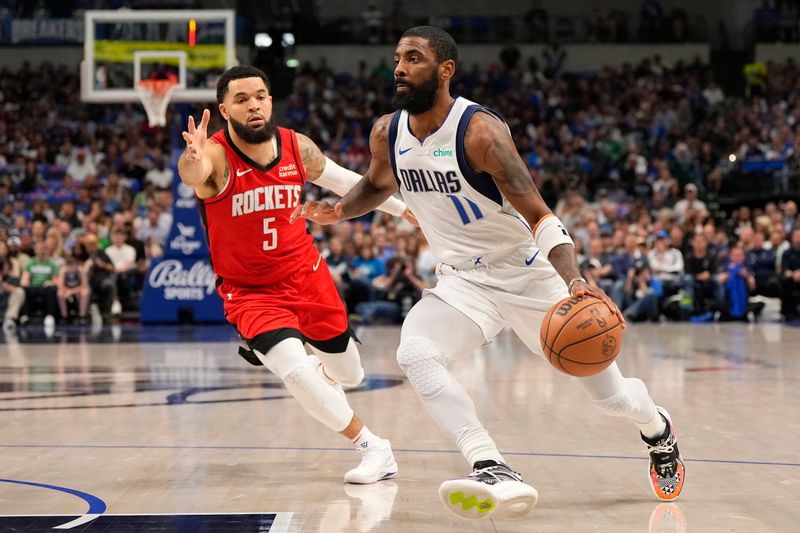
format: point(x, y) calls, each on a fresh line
point(155, 95)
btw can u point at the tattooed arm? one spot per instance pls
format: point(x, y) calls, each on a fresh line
point(370, 192)
point(489, 148)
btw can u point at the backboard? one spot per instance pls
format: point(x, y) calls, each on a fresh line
point(125, 46)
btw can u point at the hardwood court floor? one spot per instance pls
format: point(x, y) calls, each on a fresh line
point(172, 422)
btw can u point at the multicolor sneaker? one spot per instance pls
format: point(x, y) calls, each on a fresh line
point(667, 472)
point(377, 462)
point(491, 490)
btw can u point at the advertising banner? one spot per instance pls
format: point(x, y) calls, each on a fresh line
point(180, 284)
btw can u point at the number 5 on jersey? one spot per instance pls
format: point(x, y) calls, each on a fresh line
point(270, 235)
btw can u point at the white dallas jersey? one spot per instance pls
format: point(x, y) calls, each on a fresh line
point(461, 212)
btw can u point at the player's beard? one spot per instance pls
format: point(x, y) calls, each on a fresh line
point(419, 98)
point(252, 135)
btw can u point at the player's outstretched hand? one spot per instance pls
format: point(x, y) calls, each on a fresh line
point(579, 289)
point(195, 137)
point(319, 212)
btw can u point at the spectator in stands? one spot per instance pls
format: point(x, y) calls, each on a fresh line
point(39, 282)
point(689, 202)
point(12, 296)
point(68, 213)
point(790, 276)
point(7, 213)
point(779, 243)
point(151, 227)
point(665, 262)
point(761, 262)
point(21, 211)
point(790, 219)
point(160, 175)
point(701, 266)
point(338, 263)
point(734, 285)
point(72, 282)
point(623, 262)
point(102, 281)
point(395, 292)
point(602, 262)
point(141, 255)
point(80, 171)
point(642, 294)
point(123, 257)
point(17, 258)
point(30, 179)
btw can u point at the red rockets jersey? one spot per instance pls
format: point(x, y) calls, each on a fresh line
point(247, 224)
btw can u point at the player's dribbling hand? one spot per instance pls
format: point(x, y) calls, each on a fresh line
point(580, 289)
point(196, 137)
point(319, 212)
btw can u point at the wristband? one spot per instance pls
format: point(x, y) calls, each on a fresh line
point(549, 233)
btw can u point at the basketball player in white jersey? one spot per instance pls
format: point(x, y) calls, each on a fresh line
point(505, 260)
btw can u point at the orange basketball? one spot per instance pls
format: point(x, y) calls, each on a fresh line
point(580, 336)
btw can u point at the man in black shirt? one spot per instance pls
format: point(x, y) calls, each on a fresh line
point(102, 280)
point(790, 275)
point(701, 266)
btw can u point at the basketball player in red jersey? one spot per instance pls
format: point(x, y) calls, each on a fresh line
point(275, 285)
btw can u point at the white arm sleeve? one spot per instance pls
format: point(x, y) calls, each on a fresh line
point(340, 180)
point(549, 233)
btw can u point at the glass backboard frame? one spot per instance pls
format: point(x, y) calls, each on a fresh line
point(91, 93)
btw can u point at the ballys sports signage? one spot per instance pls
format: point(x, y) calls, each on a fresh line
point(180, 284)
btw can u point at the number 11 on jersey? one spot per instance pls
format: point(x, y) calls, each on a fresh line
point(462, 212)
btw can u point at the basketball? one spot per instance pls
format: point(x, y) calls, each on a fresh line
point(580, 336)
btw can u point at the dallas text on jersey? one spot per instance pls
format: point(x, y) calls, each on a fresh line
point(430, 180)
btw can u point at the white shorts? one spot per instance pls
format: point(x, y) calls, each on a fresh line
point(510, 290)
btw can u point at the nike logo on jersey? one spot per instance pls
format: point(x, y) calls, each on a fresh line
point(242, 172)
point(528, 262)
point(404, 151)
point(429, 180)
point(315, 267)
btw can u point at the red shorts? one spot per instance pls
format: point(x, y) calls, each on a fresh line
point(307, 301)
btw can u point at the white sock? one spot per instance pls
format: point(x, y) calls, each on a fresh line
point(477, 445)
point(654, 428)
point(364, 438)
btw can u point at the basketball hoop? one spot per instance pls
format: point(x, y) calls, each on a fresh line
point(155, 95)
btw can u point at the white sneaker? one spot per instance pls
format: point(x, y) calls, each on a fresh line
point(9, 325)
point(116, 308)
point(49, 322)
point(377, 462)
point(491, 490)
